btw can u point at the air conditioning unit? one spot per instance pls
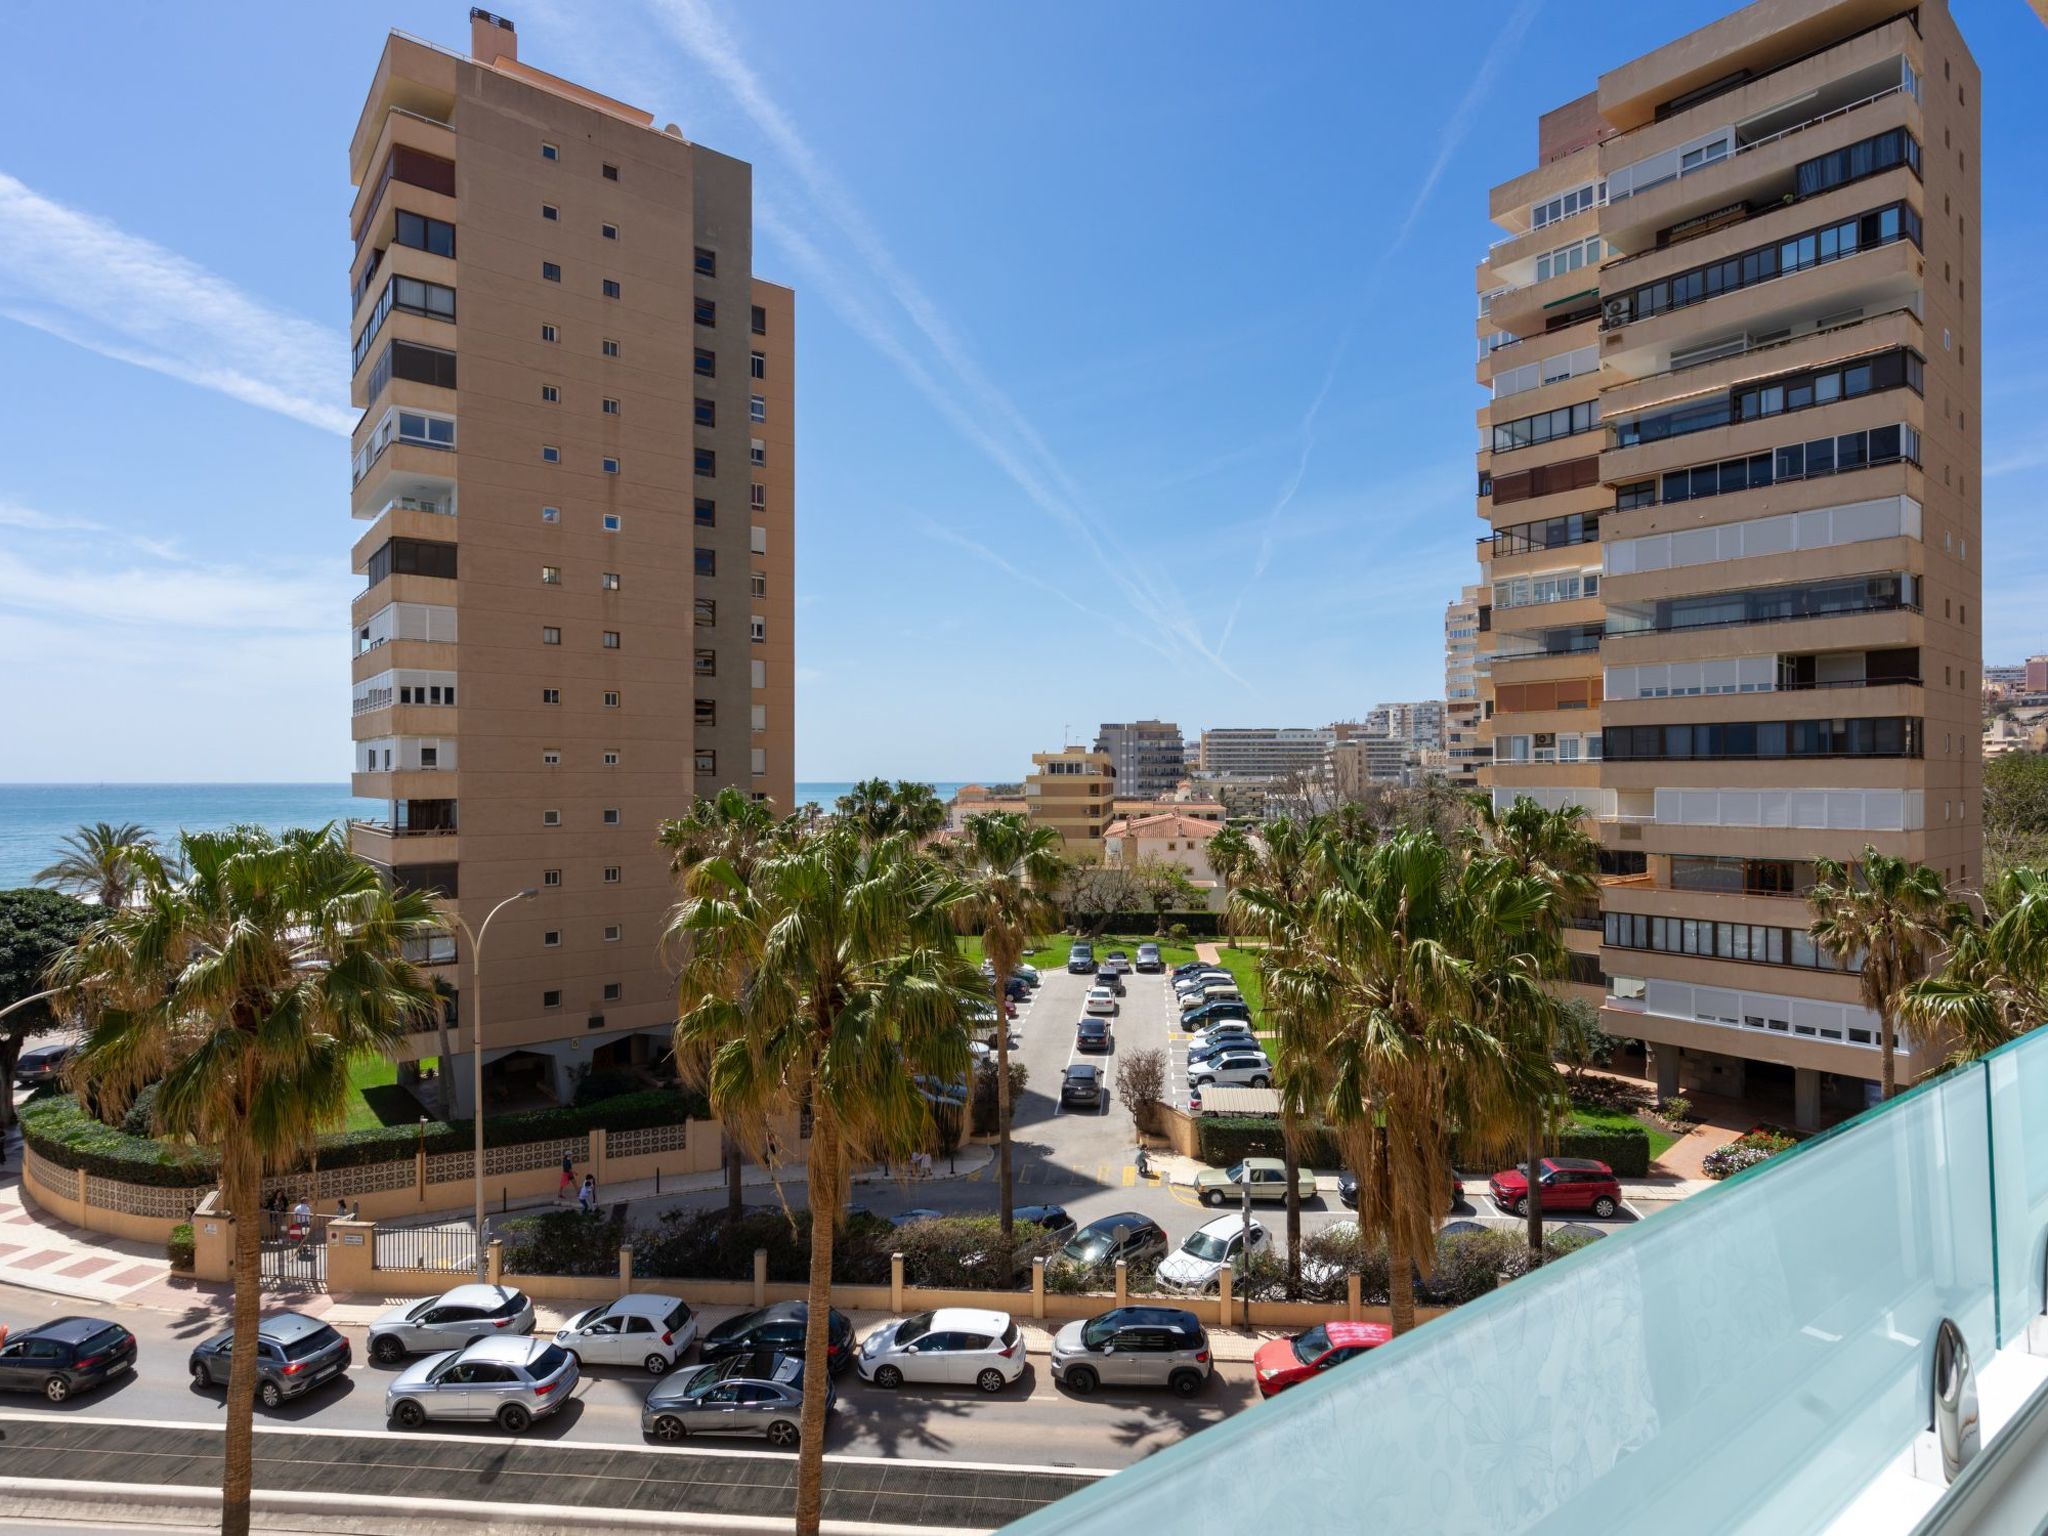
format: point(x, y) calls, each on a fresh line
point(1707, 352)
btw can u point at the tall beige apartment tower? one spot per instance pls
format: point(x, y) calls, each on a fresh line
point(575, 468)
point(1731, 469)
point(1463, 753)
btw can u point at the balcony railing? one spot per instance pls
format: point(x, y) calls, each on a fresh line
point(1770, 346)
point(386, 829)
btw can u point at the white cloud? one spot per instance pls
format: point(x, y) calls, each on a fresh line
point(86, 281)
point(14, 515)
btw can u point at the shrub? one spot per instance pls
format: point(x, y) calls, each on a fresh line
point(1626, 1152)
point(1140, 1085)
point(58, 1129)
point(985, 1093)
point(967, 1252)
point(596, 1087)
point(1178, 933)
point(563, 1243)
point(1769, 1139)
point(1223, 1139)
point(1469, 1265)
point(1677, 1109)
point(1733, 1158)
point(141, 1117)
point(180, 1249)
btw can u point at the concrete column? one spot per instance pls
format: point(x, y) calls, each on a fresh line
point(351, 1257)
point(625, 1269)
point(494, 1263)
point(1223, 1279)
point(760, 1277)
point(1038, 1289)
point(896, 1282)
point(1667, 1071)
point(1354, 1300)
point(1806, 1098)
point(1122, 1281)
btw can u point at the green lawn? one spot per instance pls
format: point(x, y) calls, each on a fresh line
point(376, 1099)
point(1051, 954)
point(1244, 965)
point(1591, 1119)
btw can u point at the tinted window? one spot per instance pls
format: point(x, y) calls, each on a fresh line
point(511, 1304)
point(548, 1362)
point(311, 1344)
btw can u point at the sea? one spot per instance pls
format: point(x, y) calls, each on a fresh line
point(35, 817)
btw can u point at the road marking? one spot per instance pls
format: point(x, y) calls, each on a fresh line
point(1130, 1175)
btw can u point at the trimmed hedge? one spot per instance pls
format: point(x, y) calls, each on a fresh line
point(1206, 925)
point(57, 1129)
point(1222, 1139)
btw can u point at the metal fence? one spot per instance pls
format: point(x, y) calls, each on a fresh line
point(450, 1249)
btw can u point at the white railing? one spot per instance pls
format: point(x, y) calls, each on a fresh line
point(1815, 122)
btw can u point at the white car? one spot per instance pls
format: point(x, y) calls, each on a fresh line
point(1217, 992)
point(1197, 980)
point(1233, 1069)
point(652, 1332)
point(1194, 1265)
point(449, 1321)
point(1100, 1000)
point(963, 1346)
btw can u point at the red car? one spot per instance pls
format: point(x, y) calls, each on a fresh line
point(1569, 1184)
point(1282, 1363)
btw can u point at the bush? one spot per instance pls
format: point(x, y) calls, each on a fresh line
point(967, 1251)
point(563, 1243)
point(1178, 933)
point(1140, 1085)
point(1223, 1139)
point(141, 1117)
point(703, 1245)
point(1768, 1138)
point(1731, 1159)
point(1626, 1152)
point(596, 1087)
point(181, 1250)
point(985, 1093)
point(1677, 1109)
point(59, 1130)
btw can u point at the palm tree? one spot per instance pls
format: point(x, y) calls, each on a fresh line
point(99, 862)
point(1010, 867)
point(1231, 855)
point(1894, 913)
point(243, 985)
point(1994, 984)
point(882, 808)
point(1551, 848)
point(854, 982)
point(739, 830)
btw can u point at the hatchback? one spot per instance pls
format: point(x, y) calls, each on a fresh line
point(294, 1354)
point(1133, 1347)
point(71, 1354)
point(1053, 1219)
point(1283, 1363)
point(1092, 1035)
point(954, 1345)
point(1569, 1184)
point(1113, 980)
point(42, 1064)
point(778, 1328)
point(1347, 1190)
point(507, 1381)
point(1080, 960)
point(449, 1321)
point(1082, 1085)
point(1195, 1265)
point(1100, 1000)
point(740, 1395)
point(652, 1332)
point(1148, 958)
point(1126, 1235)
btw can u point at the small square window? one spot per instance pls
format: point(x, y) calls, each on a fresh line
point(550, 758)
point(552, 939)
point(549, 152)
point(706, 611)
point(707, 761)
point(611, 173)
point(612, 992)
point(757, 451)
point(551, 394)
point(551, 695)
point(707, 562)
point(705, 663)
point(760, 583)
point(705, 463)
point(611, 933)
point(707, 712)
point(549, 333)
point(549, 635)
point(707, 312)
point(611, 348)
point(706, 363)
point(551, 877)
point(757, 365)
point(757, 629)
point(707, 512)
point(551, 818)
point(611, 406)
point(551, 999)
point(611, 698)
point(707, 262)
point(551, 514)
point(609, 231)
point(611, 639)
point(611, 759)
point(549, 211)
point(551, 272)
point(706, 412)
point(757, 408)
point(611, 522)
point(611, 874)
point(610, 581)
point(611, 288)
point(757, 496)
point(551, 575)
point(611, 466)
point(760, 319)
point(550, 454)
point(611, 816)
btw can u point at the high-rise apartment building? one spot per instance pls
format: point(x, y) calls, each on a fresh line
point(1464, 752)
point(577, 607)
point(1073, 791)
point(1420, 724)
point(1148, 756)
point(1731, 467)
point(1265, 752)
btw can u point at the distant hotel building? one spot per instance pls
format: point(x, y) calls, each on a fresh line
point(1265, 752)
point(1465, 751)
point(1148, 756)
point(1073, 792)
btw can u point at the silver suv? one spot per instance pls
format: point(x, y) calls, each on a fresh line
point(449, 1321)
point(506, 1381)
point(1133, 1347)
point(294, 1354)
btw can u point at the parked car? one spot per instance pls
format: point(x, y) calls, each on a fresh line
point(1081, 960)
point(449, 1321)
point(1347, 1190)
point(1283, 1363)
point(1201, 977)
point(1195, 1264)
point(294, 1354)
point(67, 1355)
point(1233, 1069)
point(1100, 1000)
point(1116, 960)
point(1215, 992)
point(1052, 1218)
point(1569, 1184)
point(760, 1394)
point(779, 1328)
point(953, 1345)
point(1092, 1034)
point(1221, 1011)
point(1029, 973)
point(506, 1381)
point(1189, 967)
point(1148, 958)
point(1082, 1085)
point(1016, 989)
point(1264, 1177)
point(1126, 1235)
point(652, 1332)
point(916, 1213)
point(42, 1064)
point(1113, 980)
point(1133, 1347)
point(1210, 1049)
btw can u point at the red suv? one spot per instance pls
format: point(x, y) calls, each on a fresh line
point(1569, 1184)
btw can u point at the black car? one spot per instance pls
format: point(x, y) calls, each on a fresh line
point(1082, 1085)
point(294, 1353)
point(73, 1354)
point(1081, 960)
point(1111, 979)
point(1126, 1235)
point(42, 1064)
point(779, 1328)
point(1091, 1034)
point(1016, 989)
point(1215, 1013)
point(1347, 1190)
point(1053, 1218)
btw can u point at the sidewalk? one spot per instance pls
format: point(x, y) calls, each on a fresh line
point(42, 1253)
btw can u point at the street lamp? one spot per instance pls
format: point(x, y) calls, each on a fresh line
point(476, 1051)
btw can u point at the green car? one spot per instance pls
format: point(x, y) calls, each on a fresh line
point(1265, 1177)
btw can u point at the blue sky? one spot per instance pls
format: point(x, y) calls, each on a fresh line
point(1135, 353)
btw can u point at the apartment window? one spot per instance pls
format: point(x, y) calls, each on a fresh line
point(611, 288)
point(611, 698)
point(549, 151)
point(611, 639)
point(612, 992)
point(706, 609)
point(551, 818)
point(611, 173)
point(611, 348)
point(551, 514)
point(551, 877)
point(759, 712)
point(757, 629)
point(757, 408)
point(707, 512)
point(707, 562)
point(706, 464)
point(760, 321)
point(609, 231)
point(550, 272)
point(707, 412)
point(1765, 605)
point(757, 365)
point(707, 312)
point(551, 695)
point(551, 575)
point(1885, 736)
point(549, 333)
point(707, 761)
point(551, 999)
point(757, 451)
point(1545, 426)
point(1874, 372)
point(610, 581)
point(611, 874)
point(707, 712)
point(551, 939)
point(551, 394)
point(551, 758)
point(549, 454)
point(611, 816)
point(549, 211)
point(705, 663)
point(1795, 461)
point(757, 496)
point(611, 759)
point(611, 406)
point(611, 522)
point(550, 635)
point(1581, 253)
point(610, 466)
point(611, 933)
point(706, 363)
point(707, 262)
point(434, 236)
point(759, 583)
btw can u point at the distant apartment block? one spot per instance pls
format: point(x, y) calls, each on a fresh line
point(1364, 761)
point(1420, 724)
point(1730, 471)
point(1465, 751)
point(1265, 752)
point(572, 621)
point(1148, 755)
point(1073, 792)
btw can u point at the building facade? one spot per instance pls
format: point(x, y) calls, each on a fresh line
point(1464, 751)
point(1731, 472)
point(1073, 791)
point(551, 654)
point(1420, 724)
point(1167, 837)
point(1358, 764)
point(1265, 752)
point(1148, 755)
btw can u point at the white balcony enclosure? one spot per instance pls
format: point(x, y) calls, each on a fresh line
point(1889, 517)
point(406, 754)
point(404, 491)
point(1853, 810)
point(405, 685)
point(406, 621)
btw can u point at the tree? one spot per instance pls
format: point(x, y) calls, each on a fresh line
point(243, 982)
point(1231, 852)
point(1141, 1085)
point(739, 830)
point(1993, 985)
point(1165, 887)
point(35, 927)
point(882, 808)
point(1098, 893)
point(1008, 866)
point(1582, 1045)
point(2015, 813)
point(1894, 913)
point(854, 985)
point(99, 862)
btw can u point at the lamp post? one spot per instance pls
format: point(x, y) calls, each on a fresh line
point(476, 1051)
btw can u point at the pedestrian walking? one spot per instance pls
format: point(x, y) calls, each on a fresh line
point(568, 1184)
point(586, 1197)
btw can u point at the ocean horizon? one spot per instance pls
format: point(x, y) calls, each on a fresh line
point(34, 818)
